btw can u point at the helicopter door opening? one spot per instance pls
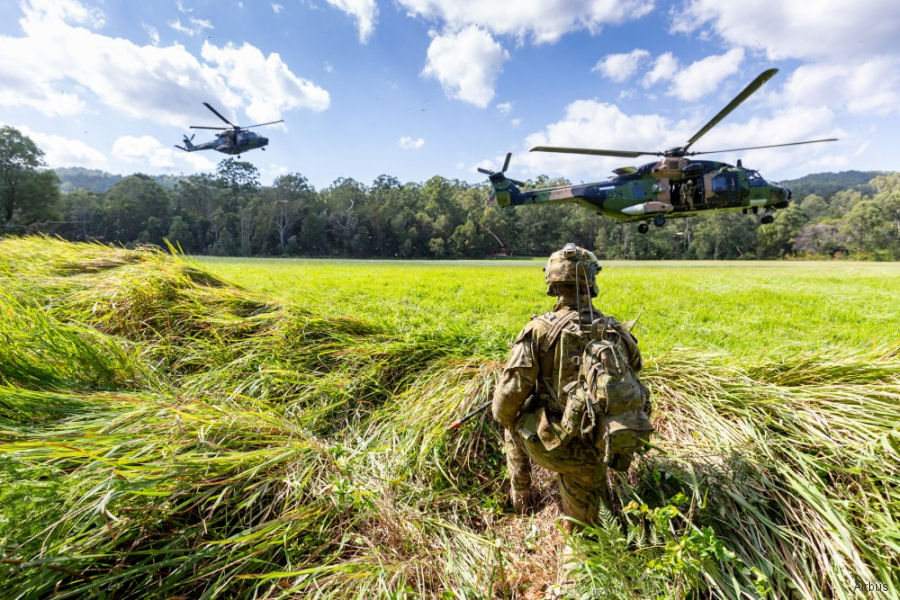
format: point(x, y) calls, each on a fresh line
point(687, 195)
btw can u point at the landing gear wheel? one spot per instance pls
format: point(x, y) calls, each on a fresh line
point(766, 219)
point(659, 220)
point(643, 228)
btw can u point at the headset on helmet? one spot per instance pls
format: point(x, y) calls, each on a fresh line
point(575, 266)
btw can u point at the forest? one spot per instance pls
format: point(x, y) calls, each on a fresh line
point(230, 213)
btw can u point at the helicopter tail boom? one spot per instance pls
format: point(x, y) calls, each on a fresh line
point(188, 145)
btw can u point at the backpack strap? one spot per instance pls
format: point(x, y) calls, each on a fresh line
point(557, 327)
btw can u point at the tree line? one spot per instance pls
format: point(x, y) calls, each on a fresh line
point(230, 213)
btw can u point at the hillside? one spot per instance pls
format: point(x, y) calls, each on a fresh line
point(827, 185)
point(95, 180)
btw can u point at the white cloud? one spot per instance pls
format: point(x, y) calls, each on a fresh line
point(266, 81)
point(194, 27)
point(71, 11)
point(593, 124)
point(544, 21)
point(664, 67)
point(408, 143)
point(61, 151)
point(515, 122)
point(365, 12)
point(504, 108)
point(620, 67)
point(871, 87)
point(851, 48)
point(798, 29)
point(152, 33)
point(163, 84)
point(146, 150)
point(697, 79)
point(706, 75)
point(466, 64)
point(277, 8)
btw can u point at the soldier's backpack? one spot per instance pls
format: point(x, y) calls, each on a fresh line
point(604, 402)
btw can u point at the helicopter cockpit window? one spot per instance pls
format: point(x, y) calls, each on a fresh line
point(724, 182)
point(755, 179)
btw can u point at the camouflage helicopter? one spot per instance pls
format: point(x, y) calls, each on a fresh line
point(672, 187)
point(233, 139)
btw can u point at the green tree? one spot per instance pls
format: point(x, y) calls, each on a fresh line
point(777, 239)
point(25, 192)
point(129, 206)
point(814, 207)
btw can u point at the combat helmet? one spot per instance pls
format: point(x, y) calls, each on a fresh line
point(575, 266)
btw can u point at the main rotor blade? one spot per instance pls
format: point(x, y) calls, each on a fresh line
point(745, 93)
point(261, 124)
point(215, 112)
point(506, 162)
point(202, 127)
point(592, 151)
point(758, 147)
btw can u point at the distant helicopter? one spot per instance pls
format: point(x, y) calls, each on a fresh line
point(672, 187)
point(232, 140)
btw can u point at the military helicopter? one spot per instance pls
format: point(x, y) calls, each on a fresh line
point(672, 187)
point(233, 139)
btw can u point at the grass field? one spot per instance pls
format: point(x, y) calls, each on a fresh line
point(233, 428)
point(743, 309)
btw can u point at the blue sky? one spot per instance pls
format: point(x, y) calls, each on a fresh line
point(416, 88)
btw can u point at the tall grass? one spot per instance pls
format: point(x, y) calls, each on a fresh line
point(166, 434)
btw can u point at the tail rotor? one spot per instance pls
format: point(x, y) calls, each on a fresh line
point(498, 176)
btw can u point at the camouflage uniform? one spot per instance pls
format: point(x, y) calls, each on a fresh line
point(528, 403)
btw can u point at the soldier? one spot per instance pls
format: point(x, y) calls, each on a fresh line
point(540, 375)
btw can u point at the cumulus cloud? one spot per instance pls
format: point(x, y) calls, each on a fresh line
point(277, 8)
point(71, 11)
point(466, 64)
point(543, 22)
point(665, 66)
point(697, 79)
point(164, 84)
point(537, 20)
point(593, 124)
point(792, 29)
point(871, 87)
point(364, 12)
point(408, 143)
point(61, 151)
point(146, 150)
point(620, 67)
point(706, 75)
point(850, 49)
point(266, 81)
point(504, 108)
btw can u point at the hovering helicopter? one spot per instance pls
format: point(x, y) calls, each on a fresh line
point(672, 187)
point(233, 139)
